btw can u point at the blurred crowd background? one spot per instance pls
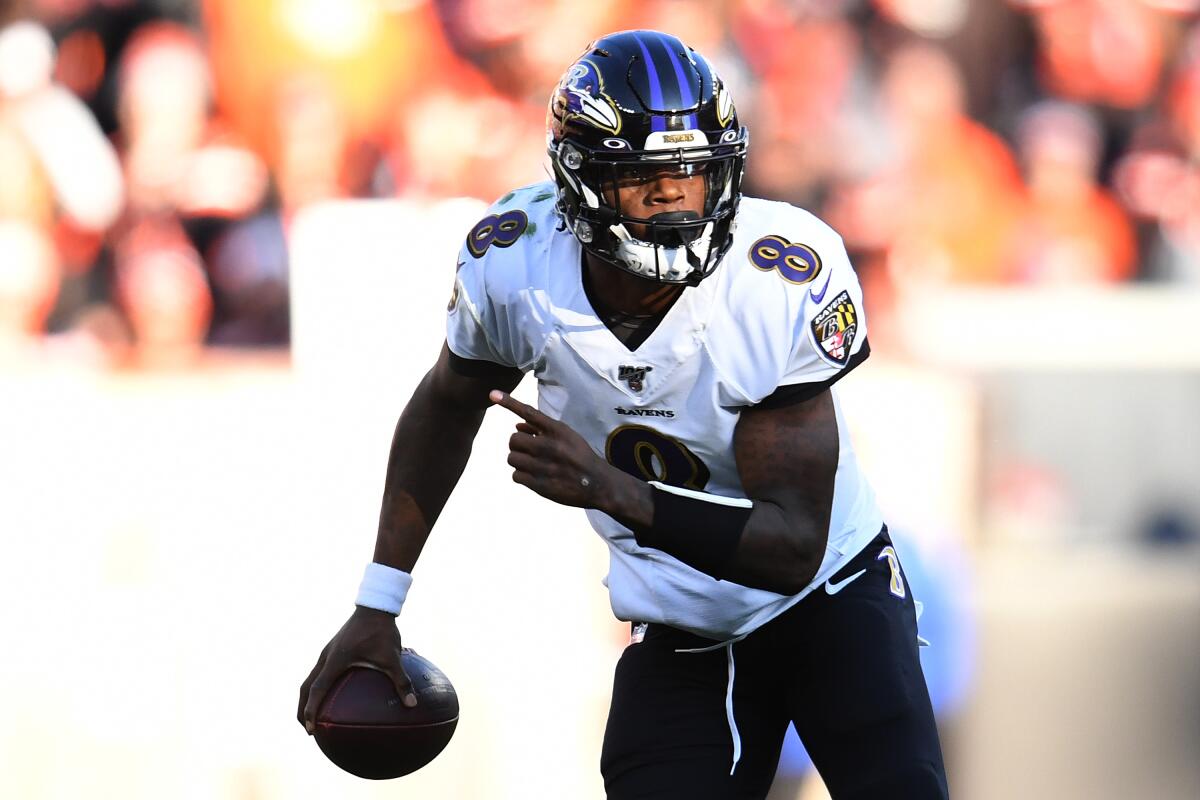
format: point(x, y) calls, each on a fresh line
point(153, 152)
point(227, 228)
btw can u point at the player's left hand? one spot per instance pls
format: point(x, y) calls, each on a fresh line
point(552, 459)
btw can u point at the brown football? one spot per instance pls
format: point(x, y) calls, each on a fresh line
point(364, 728)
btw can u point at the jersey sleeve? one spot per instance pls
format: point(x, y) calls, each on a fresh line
point(794, 323)
point(830, 337)
point(472, 332)
point(492, 315)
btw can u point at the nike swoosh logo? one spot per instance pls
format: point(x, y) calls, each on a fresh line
point(834, 588)
point(819, 297)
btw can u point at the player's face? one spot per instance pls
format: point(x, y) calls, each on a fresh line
point(646, 191)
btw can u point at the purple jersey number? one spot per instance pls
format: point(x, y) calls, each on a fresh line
point(795, 263)
point(501, 230)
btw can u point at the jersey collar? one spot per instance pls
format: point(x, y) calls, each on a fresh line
point(677, 339)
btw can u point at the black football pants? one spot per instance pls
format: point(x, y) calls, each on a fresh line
point(842, 668)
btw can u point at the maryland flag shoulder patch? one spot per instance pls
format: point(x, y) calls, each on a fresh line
point(834, 328)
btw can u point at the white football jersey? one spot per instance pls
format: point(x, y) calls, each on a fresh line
point(784, 307)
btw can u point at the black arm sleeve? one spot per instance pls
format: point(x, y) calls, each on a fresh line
point(703, 535)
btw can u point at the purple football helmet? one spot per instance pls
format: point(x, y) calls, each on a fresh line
point(631, 106)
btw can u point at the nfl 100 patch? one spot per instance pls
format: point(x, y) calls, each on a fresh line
point(834, 329)
point(634, 376)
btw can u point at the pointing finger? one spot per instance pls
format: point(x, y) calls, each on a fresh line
point(525, 412)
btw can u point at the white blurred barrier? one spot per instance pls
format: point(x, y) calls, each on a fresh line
point(1129, 327)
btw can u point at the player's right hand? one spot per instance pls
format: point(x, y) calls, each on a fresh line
point(368, 639)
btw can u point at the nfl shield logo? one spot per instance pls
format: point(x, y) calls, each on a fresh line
point(634, 376)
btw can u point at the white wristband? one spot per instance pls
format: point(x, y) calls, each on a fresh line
point(383, 588)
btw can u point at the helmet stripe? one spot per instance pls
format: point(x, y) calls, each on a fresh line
point(657, 123)
point(685, 91)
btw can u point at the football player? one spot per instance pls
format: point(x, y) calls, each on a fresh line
point(686, 341)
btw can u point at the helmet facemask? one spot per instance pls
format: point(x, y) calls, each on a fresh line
point(674, 247)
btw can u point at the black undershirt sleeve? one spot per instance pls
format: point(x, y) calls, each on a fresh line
point(473, 368)
point(793, 393)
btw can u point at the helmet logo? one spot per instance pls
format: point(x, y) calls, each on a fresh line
point(586, 100)
point(724, 107)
